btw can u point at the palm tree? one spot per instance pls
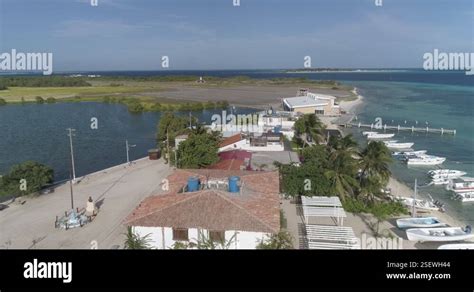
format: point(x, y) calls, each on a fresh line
point(374, 165)
point(346, 144)
point(134, 241)
point(341, 174)
point(311, 127)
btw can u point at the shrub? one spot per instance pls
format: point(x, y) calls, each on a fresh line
point(50, 100)
point(39, 99)
point(135, 106)
point(2, 102)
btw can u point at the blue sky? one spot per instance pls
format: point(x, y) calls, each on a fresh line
point(213, 34)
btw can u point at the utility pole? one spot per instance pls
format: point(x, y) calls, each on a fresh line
point(128, 146)
point(72, 194)
point(413, 212)
point(71, 130)
point(168, 147)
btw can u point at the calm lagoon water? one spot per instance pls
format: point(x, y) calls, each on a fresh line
point(38, 132)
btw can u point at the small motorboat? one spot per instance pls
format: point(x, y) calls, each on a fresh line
point(440, 234)
point(465, 197)
point(419, 204)
point(440, 181)
point(377, 136)
point(410, 153)
point(366, 133)
point(446, 173)
point(457, 246)
point(426, 160)
point(396, 145)
point(421, 222)
point(462, 185)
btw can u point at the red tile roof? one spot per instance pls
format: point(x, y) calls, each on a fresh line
point(235, 154)
point(256, 208)
point(230, 140)
point(228, 164)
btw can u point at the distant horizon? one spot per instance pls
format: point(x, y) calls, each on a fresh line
point(204, 70)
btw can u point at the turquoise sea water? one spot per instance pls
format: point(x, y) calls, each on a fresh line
point(433, 105)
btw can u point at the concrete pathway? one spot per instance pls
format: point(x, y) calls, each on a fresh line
point(117, 190)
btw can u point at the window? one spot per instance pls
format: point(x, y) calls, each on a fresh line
point(180, 234)
point(217, 236)
point(319, 112)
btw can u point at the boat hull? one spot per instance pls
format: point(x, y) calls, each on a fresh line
point(426, 222)
point(438, 234)
point(457, 246)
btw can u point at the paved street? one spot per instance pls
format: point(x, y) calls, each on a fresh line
point(117, 190)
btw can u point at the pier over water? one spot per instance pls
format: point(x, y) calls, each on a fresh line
point(427, 129)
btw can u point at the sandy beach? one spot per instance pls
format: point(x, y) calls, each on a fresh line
point(352, 106)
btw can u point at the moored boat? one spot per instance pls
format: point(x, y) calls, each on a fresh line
point(465, 197)
point(426, 160)
point(397, 145)
point(462, 185)
point(379, 136)
point(427, 222)
point(440, 234)
point(365, 133)
point(419, 204)
point(457, 246)
point(446, 173)
point(405, 153)
point(440, 181)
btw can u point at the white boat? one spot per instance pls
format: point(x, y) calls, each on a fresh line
point(379, 136)
point(365, 133)
point(440, 181)
point(426, 160)
point(462, 185)
point(395, 145)
point(457, 246)
point(427, 222)
point(446, 173)
point(419, 204)
point(410, 153)
point(440, 234)
point(465, 197)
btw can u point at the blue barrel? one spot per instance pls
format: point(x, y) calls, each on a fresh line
point(234, 184)
point(277, 129)
point(193, 184)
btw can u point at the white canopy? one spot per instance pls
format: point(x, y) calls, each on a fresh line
point(331, 237)
point(321, 201)
point(336, 212)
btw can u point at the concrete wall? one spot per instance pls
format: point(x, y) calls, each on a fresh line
point(305, 110)
point(162, 237)
point(234, 146)
point(245, 145)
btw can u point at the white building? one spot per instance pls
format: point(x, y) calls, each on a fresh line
point(253, 142)
point(312, 103)
point(212, 209)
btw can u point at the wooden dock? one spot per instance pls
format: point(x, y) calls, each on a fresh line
point(400, 128)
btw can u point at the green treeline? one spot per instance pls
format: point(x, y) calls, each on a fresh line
point(41, 81)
